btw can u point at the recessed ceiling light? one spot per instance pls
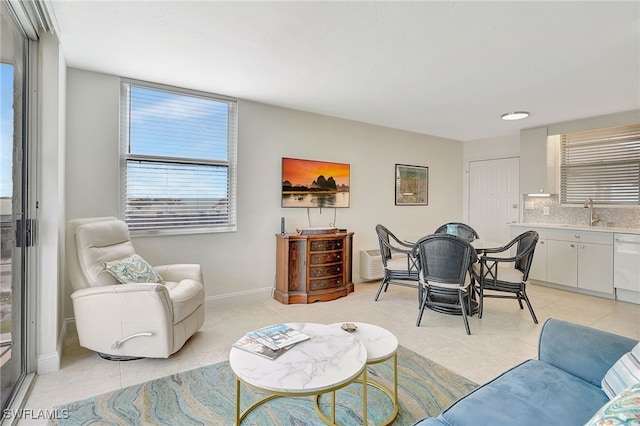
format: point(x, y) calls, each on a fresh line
point(515, 115)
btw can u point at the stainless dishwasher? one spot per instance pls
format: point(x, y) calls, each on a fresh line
point(626, 262)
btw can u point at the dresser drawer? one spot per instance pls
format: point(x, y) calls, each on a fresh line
point(324, 245)
point(325, 283)
point(325, 271)
point(320, 258)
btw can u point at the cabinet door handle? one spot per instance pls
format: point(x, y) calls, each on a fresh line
point(577, 235)
point(572, 245)
point(541, 242)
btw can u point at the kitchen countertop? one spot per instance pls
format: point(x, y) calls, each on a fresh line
point(580, 227)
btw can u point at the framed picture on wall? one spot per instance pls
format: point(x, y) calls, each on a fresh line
point(412, 185)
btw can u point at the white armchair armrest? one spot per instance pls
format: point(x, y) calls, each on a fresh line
point(180, 271)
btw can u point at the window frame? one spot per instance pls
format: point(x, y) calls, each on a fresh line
point(126, 156)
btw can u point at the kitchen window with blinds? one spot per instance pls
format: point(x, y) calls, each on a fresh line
point(177, 160)
point(601, 164)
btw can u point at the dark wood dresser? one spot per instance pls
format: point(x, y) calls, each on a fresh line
point(315, 267)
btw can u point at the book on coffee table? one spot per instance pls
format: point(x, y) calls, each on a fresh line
point(278, 336)
point(250, 345)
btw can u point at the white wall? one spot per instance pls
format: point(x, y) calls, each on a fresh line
point(51, 210)
point(243, 263)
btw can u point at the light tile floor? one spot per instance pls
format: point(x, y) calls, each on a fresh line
point(504, 337)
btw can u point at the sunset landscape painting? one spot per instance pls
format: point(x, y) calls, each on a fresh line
point(310, 183)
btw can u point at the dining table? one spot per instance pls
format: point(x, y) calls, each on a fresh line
point(479, 244)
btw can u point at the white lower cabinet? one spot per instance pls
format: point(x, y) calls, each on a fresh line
point(573, 258)
point(538, 269)
point(595, 267)
point(562, 268)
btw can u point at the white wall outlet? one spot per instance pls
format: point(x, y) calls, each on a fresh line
point(528, 205)
point(545, 211)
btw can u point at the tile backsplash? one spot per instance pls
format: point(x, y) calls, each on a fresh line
point(618, 217)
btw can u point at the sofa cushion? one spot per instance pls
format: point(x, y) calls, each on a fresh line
point(624, 373)
point(398, 262)
point(533, 393)
point(132, 269)
point(506, 272)
point(621, 410)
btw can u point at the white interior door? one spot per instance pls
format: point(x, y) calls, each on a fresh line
point(494, 199)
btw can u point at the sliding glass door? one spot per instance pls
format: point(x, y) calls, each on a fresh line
point(14, 65)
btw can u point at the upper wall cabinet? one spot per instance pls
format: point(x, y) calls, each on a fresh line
point(538, 162)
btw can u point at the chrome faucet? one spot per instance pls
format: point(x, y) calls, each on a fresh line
point(588, 203)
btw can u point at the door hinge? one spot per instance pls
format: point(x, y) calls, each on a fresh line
point(25, 232)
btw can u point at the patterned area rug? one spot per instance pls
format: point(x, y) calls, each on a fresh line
point(206, 396)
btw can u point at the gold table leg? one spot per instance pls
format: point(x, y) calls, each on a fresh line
point(393, 397)
point(237, 402)
point(365, 418)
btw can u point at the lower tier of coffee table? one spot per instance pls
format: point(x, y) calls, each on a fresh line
point(392, 395)
point(241, 414)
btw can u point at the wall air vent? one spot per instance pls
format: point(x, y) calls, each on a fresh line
point(371, 265)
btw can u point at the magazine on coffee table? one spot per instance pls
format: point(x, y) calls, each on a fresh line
point(250, 345)
point(278, 336)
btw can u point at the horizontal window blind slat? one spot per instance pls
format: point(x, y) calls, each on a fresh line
point(178, 158)
point(602, 164)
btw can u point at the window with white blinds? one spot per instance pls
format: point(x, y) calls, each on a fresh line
point(178, 159)
point(602, 164)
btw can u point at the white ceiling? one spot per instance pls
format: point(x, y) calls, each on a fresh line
point(448, 69)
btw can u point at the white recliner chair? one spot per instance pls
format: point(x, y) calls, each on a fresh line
point(130, 320)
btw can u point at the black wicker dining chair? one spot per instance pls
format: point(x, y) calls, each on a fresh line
point(461, 230)
point(444, 274)
point(398, 261)
point(500, 275)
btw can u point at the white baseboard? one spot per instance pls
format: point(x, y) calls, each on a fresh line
point(239, 297)
point(628, 296)
point(49, 363)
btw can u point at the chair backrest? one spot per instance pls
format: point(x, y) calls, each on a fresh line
point(461, 230)
point(444, 258)
point(526, 246)
point(89, 243)
point(385, 245)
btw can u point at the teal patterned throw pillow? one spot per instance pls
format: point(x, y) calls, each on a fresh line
point(624, 409)
point(133, 269)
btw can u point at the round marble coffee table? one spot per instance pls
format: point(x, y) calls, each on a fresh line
point(328, 361)
point(381, 346)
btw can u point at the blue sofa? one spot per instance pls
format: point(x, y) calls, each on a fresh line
point(561, 387)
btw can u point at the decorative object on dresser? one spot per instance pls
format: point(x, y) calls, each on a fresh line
point(313, 267)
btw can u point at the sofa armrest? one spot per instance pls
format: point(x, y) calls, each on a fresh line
point(179, 272)
point(582, 351)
